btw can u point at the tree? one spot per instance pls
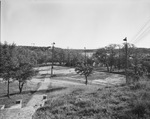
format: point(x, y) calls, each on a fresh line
point(111, 56)
point(107, 56)
point(85, 70)
point(101, 56)
point(8, 63)
point(23, 73)
point(61, 56)
point(24, 70)
point(146, 67)
point(135, 67)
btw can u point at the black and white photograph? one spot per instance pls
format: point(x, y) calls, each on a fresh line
point(74, 59)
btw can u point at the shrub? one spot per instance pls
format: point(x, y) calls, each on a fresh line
point(43, 113)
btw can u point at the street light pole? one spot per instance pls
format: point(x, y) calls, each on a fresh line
point(126, 55)
point(68, 57)
point(85, 55)
point(52, 59)
point(119, 58)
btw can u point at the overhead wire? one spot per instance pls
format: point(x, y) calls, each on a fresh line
point(144, 30)
point(144, 34)
point(141, 29)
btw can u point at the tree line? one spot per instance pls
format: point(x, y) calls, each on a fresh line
point(113, 57)
point(67, 57)
point(17, 62)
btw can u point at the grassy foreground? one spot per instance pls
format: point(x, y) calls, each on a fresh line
point(115, 102)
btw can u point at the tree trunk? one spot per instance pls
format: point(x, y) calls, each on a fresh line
point(8, 82)
point(111, 68)
point(86, 81)
point(20, 90)
point(60, 63)
point(20, 87)
point(107, 67)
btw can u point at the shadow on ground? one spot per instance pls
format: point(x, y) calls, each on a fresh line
point(42, 76)
point(36, 92)
point(47, 69)
point(113, 72)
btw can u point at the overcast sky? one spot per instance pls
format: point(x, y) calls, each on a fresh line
point(76, 23)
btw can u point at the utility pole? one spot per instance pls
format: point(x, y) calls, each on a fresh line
point(85, 55)
point(47, 60)
point(52, 59)
point(126, 55)
point(68, 57)
point(119, 59)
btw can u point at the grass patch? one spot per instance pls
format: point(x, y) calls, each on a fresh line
point(81, 79)
point(114, 102)
point(28, 90)
point(99, 75)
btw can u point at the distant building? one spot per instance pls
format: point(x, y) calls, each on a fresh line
point(89, 53)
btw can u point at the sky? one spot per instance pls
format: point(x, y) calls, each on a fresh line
point(75, 23)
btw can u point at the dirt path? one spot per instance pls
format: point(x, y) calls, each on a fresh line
point(36, 100)
point(32, 105)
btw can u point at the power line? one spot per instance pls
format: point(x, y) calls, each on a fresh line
point(142, 31)
point(145, 33)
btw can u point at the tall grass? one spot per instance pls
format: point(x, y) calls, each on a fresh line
point(116, 102)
